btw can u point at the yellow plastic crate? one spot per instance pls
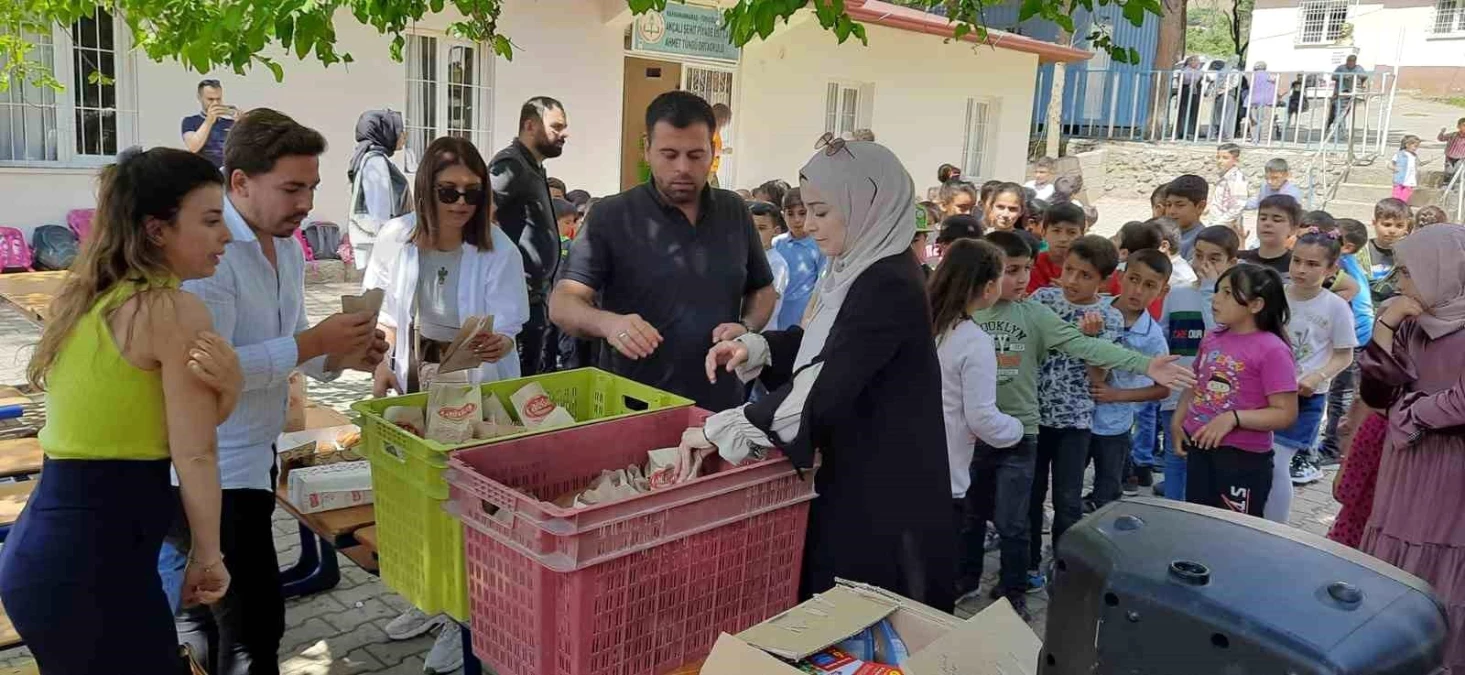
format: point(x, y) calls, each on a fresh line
point(419, 545)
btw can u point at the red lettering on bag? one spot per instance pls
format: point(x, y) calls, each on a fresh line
point(539, 406)
point(457, 414)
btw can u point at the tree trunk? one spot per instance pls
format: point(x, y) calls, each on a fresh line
point(1169, 50)
point(1055, 101)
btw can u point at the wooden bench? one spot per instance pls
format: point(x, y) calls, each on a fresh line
point(8, 636)
point(20, 457)
point(13, 497)
point(29, 668)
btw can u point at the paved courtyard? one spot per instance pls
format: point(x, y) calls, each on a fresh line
point(341, 631)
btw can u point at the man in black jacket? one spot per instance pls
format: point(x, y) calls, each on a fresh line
point(526, 212)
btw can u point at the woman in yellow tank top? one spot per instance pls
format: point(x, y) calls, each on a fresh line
point(135, 384)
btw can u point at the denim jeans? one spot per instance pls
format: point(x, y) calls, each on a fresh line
point(1063, 454)
point(1146, 435)
point(1002, 480)
point(1175, 468)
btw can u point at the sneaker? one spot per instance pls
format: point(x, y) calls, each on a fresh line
point(446, 654)
point(1159, 489)
point(1037, 581)
point(1145, 474)
point(1020, 605)
point(1326, 459)
point(1304, 471)
point(1131, 487)
point(412, 623)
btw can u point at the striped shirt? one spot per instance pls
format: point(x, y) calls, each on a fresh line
point(258, 310)
point(1454, 144)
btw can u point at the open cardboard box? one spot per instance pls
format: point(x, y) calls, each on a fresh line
point(994, 642)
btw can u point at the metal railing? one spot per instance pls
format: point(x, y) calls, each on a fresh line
point(1294, 110)
point(1457, 186)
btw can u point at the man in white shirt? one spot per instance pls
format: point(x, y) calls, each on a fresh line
point(257, 300)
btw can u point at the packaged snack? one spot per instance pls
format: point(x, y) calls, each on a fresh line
point(410, 418)
point(861, 645)
point(454, 404)
point(536, 409)
point(495, 412)
point(834, 661)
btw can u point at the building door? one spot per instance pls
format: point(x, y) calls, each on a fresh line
point(645, 79)
point(715, 86)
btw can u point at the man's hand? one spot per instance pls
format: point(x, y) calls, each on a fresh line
point(1166, 372)
point(382, 380)
point(728, 331)
point(215, 111)
point(632, 336)
point(728, 355)
point(343, 339)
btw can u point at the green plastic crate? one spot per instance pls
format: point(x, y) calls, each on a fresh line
point(420, 546)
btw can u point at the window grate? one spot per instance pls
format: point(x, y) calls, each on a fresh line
point(448, 93)
point(974, 149)
point(1320, 22)
point(1448, 18)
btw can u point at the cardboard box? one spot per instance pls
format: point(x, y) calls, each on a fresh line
point(333, 486)
point(994, 642)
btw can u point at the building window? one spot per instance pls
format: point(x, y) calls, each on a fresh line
point(1449, 18)
point(977, 139)
point(1321, 21)
point(83, 123)
point(449, 92)
point(846, 107)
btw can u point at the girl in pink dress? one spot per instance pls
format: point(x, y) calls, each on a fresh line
point(1354, 486)
point(1413, 368)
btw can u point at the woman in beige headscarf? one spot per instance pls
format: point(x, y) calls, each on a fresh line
point(858, 384)
point(1413, 369)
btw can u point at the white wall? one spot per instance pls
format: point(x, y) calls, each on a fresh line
point(1389, 36)
point(921, 86)
point(585, 76)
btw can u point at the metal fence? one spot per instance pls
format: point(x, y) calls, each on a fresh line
point(1296, 110)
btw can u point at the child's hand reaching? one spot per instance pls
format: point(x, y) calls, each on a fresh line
point(1091, 324)
point(1166, 372)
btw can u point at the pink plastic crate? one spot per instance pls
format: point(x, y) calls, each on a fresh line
point(635, 587)
point(503, 489)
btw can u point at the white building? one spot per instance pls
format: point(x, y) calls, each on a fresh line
point(929, 100)
point(1423, 41)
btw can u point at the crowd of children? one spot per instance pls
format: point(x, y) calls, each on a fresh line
point(1171, 349)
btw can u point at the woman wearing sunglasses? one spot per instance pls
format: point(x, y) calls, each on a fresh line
point(444, 263)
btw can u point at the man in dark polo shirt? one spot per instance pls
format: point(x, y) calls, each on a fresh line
point(676, 265)
point(205, 132)
point(526, 213)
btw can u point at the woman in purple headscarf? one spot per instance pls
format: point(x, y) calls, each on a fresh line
point(1413, 368)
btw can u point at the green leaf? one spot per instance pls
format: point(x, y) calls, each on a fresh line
point(1029, 9)
point(275, 69)
point(766, 17)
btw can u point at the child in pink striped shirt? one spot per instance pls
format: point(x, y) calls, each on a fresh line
point(1455, 147)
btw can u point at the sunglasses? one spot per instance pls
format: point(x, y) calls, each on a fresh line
point(450, 195)
point(831, 144)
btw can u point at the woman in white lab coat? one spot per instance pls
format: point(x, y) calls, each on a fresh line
point(443, 264)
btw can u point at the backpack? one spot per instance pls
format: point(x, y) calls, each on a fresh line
point(80, 222)
point(304, 245)
point(14, 253)
point(55, 247)
point(323, 238)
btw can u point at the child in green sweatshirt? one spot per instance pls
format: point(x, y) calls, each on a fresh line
point(1023, 332)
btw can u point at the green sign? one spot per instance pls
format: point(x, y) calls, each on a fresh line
point(684, 30)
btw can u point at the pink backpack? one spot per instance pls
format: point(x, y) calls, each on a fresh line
point(304, 245)
point(15, 254)
point(80, 222)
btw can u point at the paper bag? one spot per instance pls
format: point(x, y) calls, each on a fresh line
point(460, 355)
point(454, 405)
point(537, 409)
point(295, 404)
point(369, 302)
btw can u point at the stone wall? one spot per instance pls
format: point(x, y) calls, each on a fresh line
point(1133, 170)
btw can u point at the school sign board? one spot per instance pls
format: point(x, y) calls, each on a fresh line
point(684, 30)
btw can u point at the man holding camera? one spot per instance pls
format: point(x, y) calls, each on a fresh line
point(204, 133)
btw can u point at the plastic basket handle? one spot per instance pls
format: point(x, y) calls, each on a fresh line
point(504, 516)
point(634, 404)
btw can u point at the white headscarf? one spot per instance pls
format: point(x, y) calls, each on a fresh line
point(866, 184)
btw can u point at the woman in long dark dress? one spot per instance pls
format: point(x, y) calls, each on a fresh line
point(859, 384)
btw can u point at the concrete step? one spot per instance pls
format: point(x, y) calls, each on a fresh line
point(1347, 208)
point(1372, 193)
point(1378, 173)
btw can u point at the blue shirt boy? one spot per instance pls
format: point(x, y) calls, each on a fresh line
point(1148, 338)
